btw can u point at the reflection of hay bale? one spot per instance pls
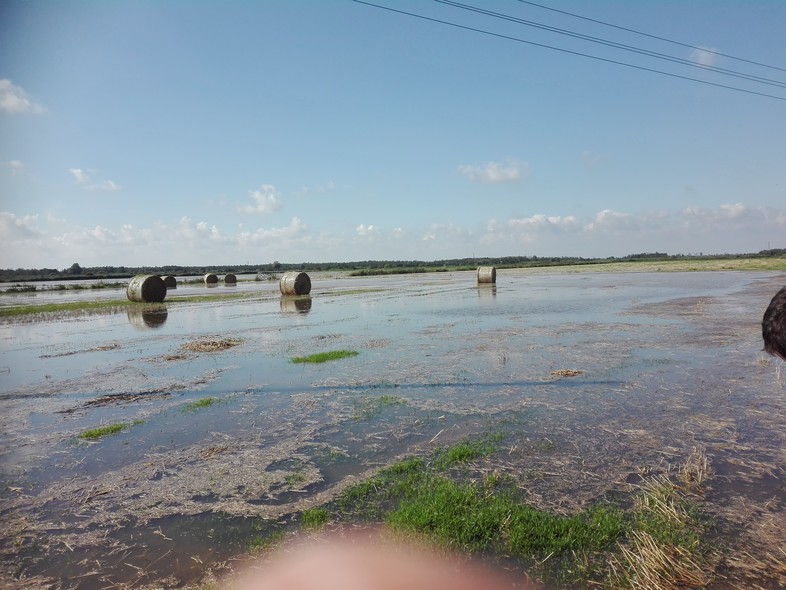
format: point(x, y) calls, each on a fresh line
point(296, 304)
point(211, 279)
point(146, 289)
point(295, 283)
point(487, 274)
point(170, 282)
point(145, 317)
point(230, 279)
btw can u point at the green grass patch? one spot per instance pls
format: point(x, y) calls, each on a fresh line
point(479, 511)
point(465, 516)
point(108, 430)
point(314, 518)
point(200, 404)
point(323, 357)
point(294, 479)
point(262, 543)
point(464, 452)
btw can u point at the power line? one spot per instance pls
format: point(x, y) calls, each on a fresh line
point(563, 50)
point(601, 41)
point(600, 22)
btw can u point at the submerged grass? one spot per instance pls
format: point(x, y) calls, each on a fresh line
point(370, 406)
point(107, 430)
point(323, 357)
point(69, 306)
point(205, 402)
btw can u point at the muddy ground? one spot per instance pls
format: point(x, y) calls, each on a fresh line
point(595, 378)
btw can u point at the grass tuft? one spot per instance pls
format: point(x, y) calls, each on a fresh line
point(314, 518)
point(205, 402)
point(322, 357)
point(108, 430)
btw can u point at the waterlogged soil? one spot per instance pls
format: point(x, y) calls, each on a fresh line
point(594, 379)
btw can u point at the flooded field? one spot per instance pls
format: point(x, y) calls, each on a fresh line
point(591, 379)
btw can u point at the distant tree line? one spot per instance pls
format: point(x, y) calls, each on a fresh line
point(76, 271)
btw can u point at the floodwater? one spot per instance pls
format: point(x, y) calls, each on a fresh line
point(662, 364)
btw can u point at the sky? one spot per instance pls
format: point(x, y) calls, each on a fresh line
point(149, 133)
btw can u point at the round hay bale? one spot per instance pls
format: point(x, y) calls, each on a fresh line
point(146, 289)
point(230, 279)
point(211, 279)
point(170, 282)
point(487, 274)
point(295, 283)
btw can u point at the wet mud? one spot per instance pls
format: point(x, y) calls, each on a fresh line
point(594, 378)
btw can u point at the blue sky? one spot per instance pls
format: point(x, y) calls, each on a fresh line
point(153, 133)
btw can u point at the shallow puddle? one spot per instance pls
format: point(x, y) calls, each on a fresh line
point(590, 377)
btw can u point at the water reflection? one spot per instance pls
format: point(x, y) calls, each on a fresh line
point(300, 304)
point(487, 292)
point(144, 317)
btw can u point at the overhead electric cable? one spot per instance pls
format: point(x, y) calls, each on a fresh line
point(563, 50)
point(601, 41)
point(600, 22)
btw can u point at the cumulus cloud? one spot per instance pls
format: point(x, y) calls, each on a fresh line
point(45, 241)
point(495, 172)
point(13, 99)
point(266, 200)
point(281, 234)
point(609, 220)
point(367, 230)
point(544, 222)
point(17, 228)
point(83, 178)
point(704, 56)
point(79, 175)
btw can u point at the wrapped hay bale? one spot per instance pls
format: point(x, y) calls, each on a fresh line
point(146, 289)
point(170, 282)
point(211, 279)
point(230, 279)
point(487, 274)
point(295, 283)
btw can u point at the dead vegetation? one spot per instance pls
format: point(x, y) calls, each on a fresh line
point(211, 344)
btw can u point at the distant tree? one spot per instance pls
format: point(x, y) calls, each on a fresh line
point(75, 269)
point(276, 265)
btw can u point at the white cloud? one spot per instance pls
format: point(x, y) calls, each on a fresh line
point(609, 220)
point(267, 200)
point(15, 166)
point(367, 230)
point(704, 56)
point(79, 175)
point(13, 99)
point(495, 172)
point(544, 222)
point(83, 178)
point(276, 235)
point(17, 228)
point(47, 241)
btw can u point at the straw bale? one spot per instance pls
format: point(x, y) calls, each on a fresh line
point(146, 289)
point(295, 283)
point(487, 274)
